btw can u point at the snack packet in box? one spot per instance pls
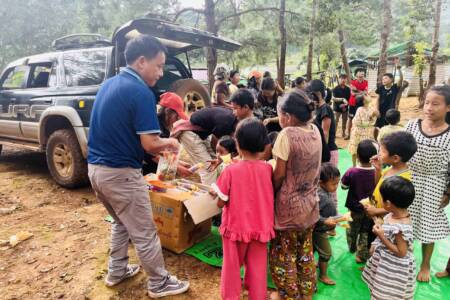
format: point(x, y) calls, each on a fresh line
point(167, 165)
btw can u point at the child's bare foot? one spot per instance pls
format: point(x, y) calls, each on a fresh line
point(327, 280)
point(424, 275)
point(442, 274)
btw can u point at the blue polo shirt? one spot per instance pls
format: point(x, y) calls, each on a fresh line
point(124, 108)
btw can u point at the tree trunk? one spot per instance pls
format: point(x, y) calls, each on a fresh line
point(311, 42)
point(344, 58)
point(437, 25)
point(211, 54)
point(387, 24)
point(318, 60)
point(421, 89)
point(283, 41)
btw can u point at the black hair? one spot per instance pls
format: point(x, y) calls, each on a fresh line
point(252, 84)
point(267, 74)
point(251, 135)
point(298, 105)
point(359, 100)
point(398, 190)
point(390, 75)
point(343, 76)
point(392, 116)
point(268, 84)
point(441, 90)
point(360, 70)
point(164, 111)
point(243, 97)
point(272, 137)
point(233, 72)
point(240, 86)
point(143, 45)
point(400, 143)
point(365, 150)
point(328, 172)
point(299, 80)
point(229, 144)
point(317, 85)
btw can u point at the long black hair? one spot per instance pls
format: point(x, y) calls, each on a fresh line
point(252, 84)
point(298, 105)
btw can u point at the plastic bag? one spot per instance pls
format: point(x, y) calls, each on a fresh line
point(167, 165)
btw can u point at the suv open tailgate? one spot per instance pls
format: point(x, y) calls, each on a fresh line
point(175, 37)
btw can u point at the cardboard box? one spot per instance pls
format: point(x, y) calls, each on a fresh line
point(181, 218)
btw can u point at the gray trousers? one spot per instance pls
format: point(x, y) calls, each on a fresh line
point(344, 116)
point(124, 193)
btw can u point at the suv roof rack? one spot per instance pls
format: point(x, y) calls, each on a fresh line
point(80, 40)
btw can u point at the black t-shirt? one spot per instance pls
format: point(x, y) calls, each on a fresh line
point(266, 109)
point(323, 112)
point(216, 120)
point(269, 108)
point(341, 92)
point(328, 95)
point(387, 98)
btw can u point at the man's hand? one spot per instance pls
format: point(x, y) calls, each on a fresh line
point(173, 145)
point(378, 230)
point(444, 201)
point(153, 144)
point(330, 222)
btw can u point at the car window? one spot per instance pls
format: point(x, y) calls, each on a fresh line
point(172, 71)
point(42, 75)
point(84, 68)
point(15, 78)
point(171, 74)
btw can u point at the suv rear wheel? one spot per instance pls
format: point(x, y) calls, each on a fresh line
point(194, 94)
point(65, 160)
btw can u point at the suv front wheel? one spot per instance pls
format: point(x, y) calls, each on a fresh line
point(65, 160)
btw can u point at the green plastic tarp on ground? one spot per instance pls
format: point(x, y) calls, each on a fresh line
point(342, 266)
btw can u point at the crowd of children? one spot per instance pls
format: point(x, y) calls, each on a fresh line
point(276, 187)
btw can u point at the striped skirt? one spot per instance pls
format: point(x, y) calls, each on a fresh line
point(390, 277)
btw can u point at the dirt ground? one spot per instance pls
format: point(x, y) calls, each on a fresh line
point(67, 256)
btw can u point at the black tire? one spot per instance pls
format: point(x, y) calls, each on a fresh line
point(65, 160)
point(191, 88)
point(1, 148)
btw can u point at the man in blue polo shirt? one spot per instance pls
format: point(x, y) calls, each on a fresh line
point(123, 126)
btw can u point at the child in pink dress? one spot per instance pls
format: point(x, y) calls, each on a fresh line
point(246, 194)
